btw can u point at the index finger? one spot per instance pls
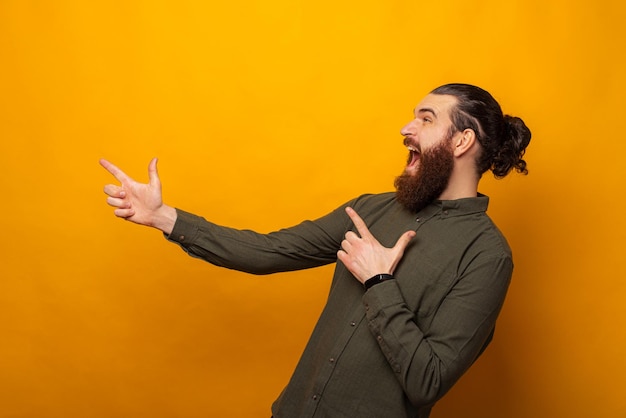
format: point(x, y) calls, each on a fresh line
point(111, 168)
point(358, 223)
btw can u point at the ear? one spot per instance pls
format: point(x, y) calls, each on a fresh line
point(463, 142)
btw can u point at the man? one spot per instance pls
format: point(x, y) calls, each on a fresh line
point(421, 274)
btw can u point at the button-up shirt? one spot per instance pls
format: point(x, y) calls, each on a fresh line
point(395, 349)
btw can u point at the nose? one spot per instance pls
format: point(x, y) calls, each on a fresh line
point(408, 129)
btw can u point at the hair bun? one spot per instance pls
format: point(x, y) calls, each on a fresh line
point(515, 139)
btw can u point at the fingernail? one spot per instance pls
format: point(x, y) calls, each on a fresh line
point(122, 194)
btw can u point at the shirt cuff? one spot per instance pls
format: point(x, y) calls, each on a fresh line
point(185, 229)
point(382, 296)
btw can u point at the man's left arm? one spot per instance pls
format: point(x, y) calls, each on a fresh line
point(428, 361)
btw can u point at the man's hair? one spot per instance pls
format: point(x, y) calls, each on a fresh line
point(503, 138)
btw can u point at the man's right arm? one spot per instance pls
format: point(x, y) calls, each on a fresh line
point(306, 245)
point(309, 244)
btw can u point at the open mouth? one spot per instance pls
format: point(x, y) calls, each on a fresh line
point(414, 156)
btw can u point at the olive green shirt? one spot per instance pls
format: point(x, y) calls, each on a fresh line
point(395, 349)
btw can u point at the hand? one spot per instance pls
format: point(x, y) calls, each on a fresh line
point(138, 202)
point(365, 257)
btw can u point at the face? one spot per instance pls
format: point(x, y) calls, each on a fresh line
point(431, 125)
point(431, 158)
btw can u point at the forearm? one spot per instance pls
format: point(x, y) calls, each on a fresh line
point(405, 346)
point(309, 244)
point(429, 354)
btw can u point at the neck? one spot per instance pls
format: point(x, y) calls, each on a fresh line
point(462, 184)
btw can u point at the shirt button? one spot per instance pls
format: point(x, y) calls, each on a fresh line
point(181, 238)
point(445, 212)
point(315, 397)
point(379, 338)
point(417, 220)
point(353, 324)
point(332, 360)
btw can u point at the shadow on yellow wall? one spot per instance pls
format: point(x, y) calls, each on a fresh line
point(263, 114)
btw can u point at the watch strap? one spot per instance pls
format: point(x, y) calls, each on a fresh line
point(377, 279)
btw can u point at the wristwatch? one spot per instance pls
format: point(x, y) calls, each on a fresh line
point(379, 278)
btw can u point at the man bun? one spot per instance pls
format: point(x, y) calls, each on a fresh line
point(515, 139)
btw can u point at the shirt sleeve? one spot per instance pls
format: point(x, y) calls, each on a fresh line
point(428, 360)
point(309, 244)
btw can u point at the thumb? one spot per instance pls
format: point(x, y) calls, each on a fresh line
point(153, 173)
point(403, 241)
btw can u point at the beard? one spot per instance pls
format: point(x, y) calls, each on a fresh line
point(418, 190)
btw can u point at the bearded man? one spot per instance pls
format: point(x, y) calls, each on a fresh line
point(420, 277)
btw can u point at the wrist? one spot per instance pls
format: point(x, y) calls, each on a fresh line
point(377, 279)
point(164, 219)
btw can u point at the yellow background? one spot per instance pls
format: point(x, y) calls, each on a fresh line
point(264, 113)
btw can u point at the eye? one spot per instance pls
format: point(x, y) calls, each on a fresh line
point(427, 119)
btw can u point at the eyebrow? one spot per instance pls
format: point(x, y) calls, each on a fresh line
point(426, 110)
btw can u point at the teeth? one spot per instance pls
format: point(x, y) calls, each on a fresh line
point(412, 148)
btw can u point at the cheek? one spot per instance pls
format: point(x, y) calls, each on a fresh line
point(438, 138)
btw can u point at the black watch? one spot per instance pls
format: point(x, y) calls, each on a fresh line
point(379, 278)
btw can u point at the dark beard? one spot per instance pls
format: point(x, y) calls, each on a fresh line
point(415, 192)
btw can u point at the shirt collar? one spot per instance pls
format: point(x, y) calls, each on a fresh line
point(458, 207)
